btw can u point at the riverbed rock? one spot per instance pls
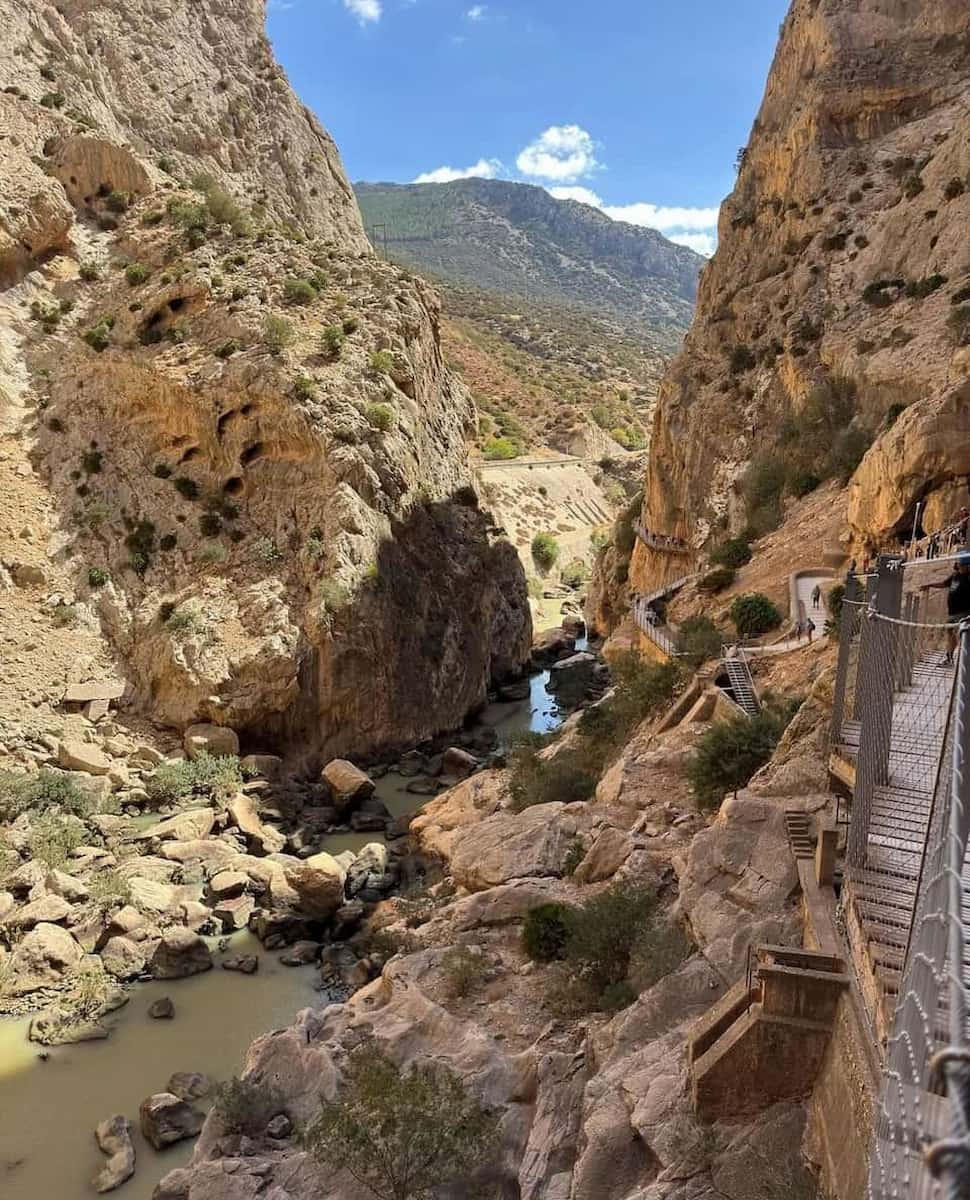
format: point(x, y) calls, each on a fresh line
point(234, 912)
point(212, 852)
point(300, 954)
point(114, 1139)
point(458, 762)
point(346, 920)
point(166, 1119)
point(571, 678)
point(62, 884)
point(54, 909)
point(319, 885)
point(348, 784)
point(45, 957)
point(245, 964)
point(179, 954)
point(244, 814)
point(83, 756)
point(551, 645)
point(227, 884)
point(162, 1009)
point(367, 869)
point(151, 895)
point(123, 958)
point(182, 827)
point(267, 766)
point(190, 1085)
point(204, 738)
point(126, 921)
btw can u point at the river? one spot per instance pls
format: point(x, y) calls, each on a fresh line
point(48, 1109)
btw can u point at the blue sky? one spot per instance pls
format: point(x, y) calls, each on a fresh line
point(638, 106)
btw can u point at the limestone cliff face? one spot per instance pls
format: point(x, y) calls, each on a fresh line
point(843, 253)
point(254, 445)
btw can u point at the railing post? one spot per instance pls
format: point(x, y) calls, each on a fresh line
point(875, 692)
point(846, 623)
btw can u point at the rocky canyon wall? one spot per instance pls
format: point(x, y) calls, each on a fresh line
point(843, 256)
point(252, 443)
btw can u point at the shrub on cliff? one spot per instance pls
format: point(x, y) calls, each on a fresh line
point(735, 552)
point(716, 581)
point(729, 753)
point(402, 1134)
point(380, 417)
point(39, 793)
point(753, 615)
point(958, 323)
point(246, 1106)
point(299, 291)
point(278, 333)
point(545, 931)
point(332, 341)
point(698, 639)
point(498, 448)
point(568, 777)
point(464, 972)
point(545, 551)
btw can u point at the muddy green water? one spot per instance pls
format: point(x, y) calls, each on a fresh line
point(48, 1110)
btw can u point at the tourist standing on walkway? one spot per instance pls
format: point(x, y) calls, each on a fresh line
point(957, 600)
point(816, 596)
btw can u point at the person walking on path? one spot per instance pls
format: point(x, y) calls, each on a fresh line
point(811, 630)
point(816, 595)
point(957, 601)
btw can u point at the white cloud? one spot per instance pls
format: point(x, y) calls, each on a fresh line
point(366, 11)
point(693, 227)
point(700, 243)
point(476, 12)
point(562, 152)
point(663, 217)
point(485, 168)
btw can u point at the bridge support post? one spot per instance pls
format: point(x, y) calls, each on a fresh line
point(875, 696)
point(853, 593)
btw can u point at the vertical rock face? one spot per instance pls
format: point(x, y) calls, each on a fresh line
point(257, 455)
point(193, 82)
point(843, 253)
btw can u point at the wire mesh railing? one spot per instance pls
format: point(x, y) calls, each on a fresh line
point(921, 1144)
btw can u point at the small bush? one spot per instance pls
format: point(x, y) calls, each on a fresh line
point(227, 349)
point(919, 289)
point(332, 341)
point(89, 272)
point(98, 336)
point(208, 775)
point(97, 578)
point(136, 273)
point(834, 601)
point(299, 291)
point(574, 573)
point(954, 188)
point(53, 100)
point(380, 417)
point(716, 581)
point(913, 186)
point(183, 622)
point(39, 793)
point(545, 931)
point(212, 552)
point(499, 448)
point(570, 776)
point(881, 293)
point(382, 362)
point(464, 972)
point(699, 639)
point(575, 853)
point(109, 889)
point(333, 595)
point(753, 615)
point(187, 487)
point(278, 333)
point(210, 524)
point(91, 462)
point(729, 753)
point(117, 202)
point(53, 839)
point(246, 1106)
point(351, 325)
point(267, 551)
point(304, 388)
point(545, 551)
point(735, 552)
point(162, 471)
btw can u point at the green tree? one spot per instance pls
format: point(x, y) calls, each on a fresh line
point(699, 639)
point(735, 552)
point(545, 551)
point(402, 1134)
point(729, 753)
point(753, 615)
point(498, 448)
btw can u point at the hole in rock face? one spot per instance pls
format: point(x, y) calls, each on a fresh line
point(233, 487)
point(176, 304)
point(248, 409)
point(251, 453)
point(223, 423)
point(192, 452)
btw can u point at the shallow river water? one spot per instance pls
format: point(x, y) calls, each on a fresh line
point(48, 1110)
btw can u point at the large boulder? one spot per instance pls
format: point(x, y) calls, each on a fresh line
point(179, 954)
point(165, 1119)
point(83, 756)
point(48, 908)
point(319, 885)
point(551, 645)
point(123, 958)
point(243, 812)
point(348, 784)
point(605, 857)
point(114, 1139)
point(45, 957)
point(204, 738)
point(508, 846)
point(183, 827)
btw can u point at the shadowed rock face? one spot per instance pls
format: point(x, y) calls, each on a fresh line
point(856, 172)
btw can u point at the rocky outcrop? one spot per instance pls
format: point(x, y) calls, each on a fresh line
point(277, 523)
point(841, 265)
point(114, 1139)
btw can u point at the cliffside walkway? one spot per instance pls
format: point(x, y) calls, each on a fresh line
point(901, 715)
